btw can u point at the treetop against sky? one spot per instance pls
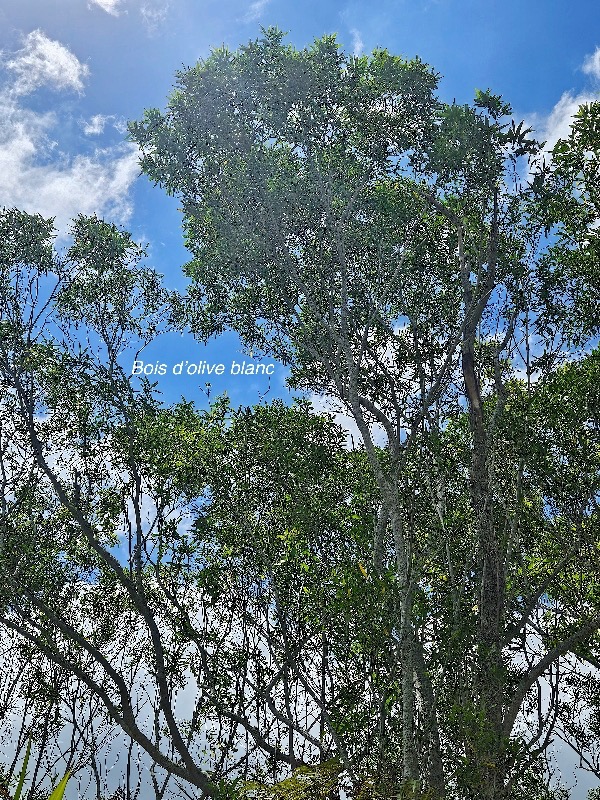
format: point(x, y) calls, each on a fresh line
point(73, 72)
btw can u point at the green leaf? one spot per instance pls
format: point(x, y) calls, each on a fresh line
point(23, 772)
point(59, 790)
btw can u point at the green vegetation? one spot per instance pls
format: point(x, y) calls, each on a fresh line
point(261, 611)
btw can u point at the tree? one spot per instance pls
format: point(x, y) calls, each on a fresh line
point(380, 242)
point(103, 578)
point(568, 201)
point(63, 323)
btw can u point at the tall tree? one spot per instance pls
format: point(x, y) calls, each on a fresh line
point(212, 646)
point(379, 241)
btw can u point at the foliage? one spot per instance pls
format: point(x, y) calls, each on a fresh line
point(568, 202)
point(380, 242)
point(305, 782)
point(56, 794)
point(387, 619)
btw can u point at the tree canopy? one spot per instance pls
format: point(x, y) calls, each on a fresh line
point(392, 250)
point(416, 617)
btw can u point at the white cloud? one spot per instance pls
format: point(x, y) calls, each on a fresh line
point(36, 177)
point(325, 404)
point(557, 124)
point(152, 12)
point(255, 10)
point(46, 62)
point(120, 124)
point(357, 43)
point(35, 174)
point(110, 6)
point(96, 124)
point(154, 15)
point(591, 65)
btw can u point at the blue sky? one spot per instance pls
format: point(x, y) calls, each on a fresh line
point(72, 72)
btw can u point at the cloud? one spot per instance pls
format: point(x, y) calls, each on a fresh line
point(45, 62)
point(357, 43)
point(591, 65)
point(152, 12)
point(325, 404)
point(110, 6)
point(255, 10)
point(154, 15)
point(557, 124)
point(36, 177)
point(96, 124)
